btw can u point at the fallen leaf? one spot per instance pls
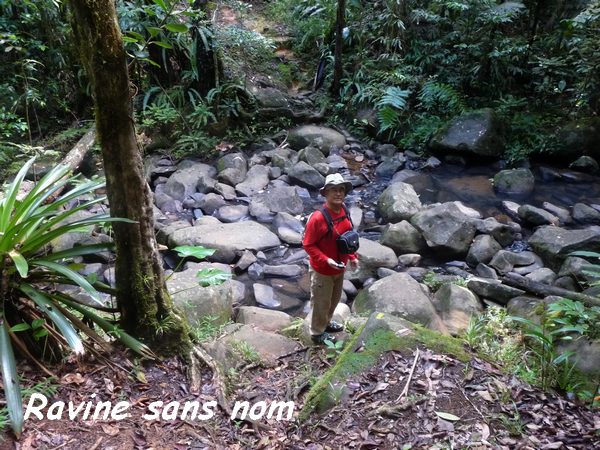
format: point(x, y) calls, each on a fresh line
point(109, 429)
point(381, 386)
point(72, 378)
point(485, 395)
point(447, 416)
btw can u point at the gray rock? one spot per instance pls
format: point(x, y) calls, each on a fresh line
point(337, 162)
point(505, 260)
point(232, 213)
point(312, 156)
point(227, 238)
point(256, 271)
point(543, 275)
point(537, 216)
point(256, 180)
point(304, 175)
point(167, 204)
point(409, 259)
point(482, 250)
point(198, 302)
point(321, 137)
point(185, 180)
point(264, 319)
point(399, 295)
point(389, 166)
point(282, 270)
point(567, 283)
point(504, 233)
point(398, 202)
point(349, 288)
point(383, 272)
point(281, 199)
point(486, 271)
point(265, 296)
point(211, 202)
point(456, 305)
point(585, 214)
point(519, 182)
point(578, 268)
point(553, 244)
point(585, 164)
point(402, 237)
point(232, 168)
point(245, 261)
point(563, 214)
point(372, 255)
point(284, 158)
point(445, 228)
point(475, 132)
point(587, 354)
point(493, 290)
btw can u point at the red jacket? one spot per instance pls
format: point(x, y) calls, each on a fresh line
point(320, 244)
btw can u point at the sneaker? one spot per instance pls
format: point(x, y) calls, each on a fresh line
point(321, 338)
point(334, 327)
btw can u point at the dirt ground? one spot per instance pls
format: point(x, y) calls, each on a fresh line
point(441, 403)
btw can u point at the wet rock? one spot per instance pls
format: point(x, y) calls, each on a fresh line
point(504, 260)
point(402, 237)
point(445, 228)
point(402, 296)
point(321, 137)
point(471, 188)
point(475, 133)
point(265, 296)
point(456, 305)
point(398, 202)
point(585, 214)
point(245, 261)
point(519, 182)
point(385, 150)
point(337, 162)
point(256, 271)
point(567, 283)
point(511, 208)
point(482, 250)
point(585, 164)
point(389, 166)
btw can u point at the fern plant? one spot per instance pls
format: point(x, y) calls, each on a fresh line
point(31, 306)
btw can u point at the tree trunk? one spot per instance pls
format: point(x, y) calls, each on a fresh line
point(146, 308)
point(339, 47)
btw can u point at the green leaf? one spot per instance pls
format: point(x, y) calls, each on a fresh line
point(8, 202)
point(212, 277)
point(10, 380)
point(162, 4)
point(149, 61)
point(196, 251)
point(79, 250)
point(162, 44)
point(177, 27)
point(20, 327)
point(129, 39)
point(154, 31)
point(447, 416)
point(71, 275)
point(20, 263)
point(135, 35)
point(37, 323)
point(65, 327)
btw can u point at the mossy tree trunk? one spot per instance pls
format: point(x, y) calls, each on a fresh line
point(146, 308)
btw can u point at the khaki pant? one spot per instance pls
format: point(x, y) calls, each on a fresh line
point(325, 294)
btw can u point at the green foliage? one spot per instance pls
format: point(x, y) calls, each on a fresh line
point(246, 351)
point(333, 349)
point(29, 300)
point(208, 328)
point(208, 276)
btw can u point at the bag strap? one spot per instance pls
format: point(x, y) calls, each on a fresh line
point(329, 220)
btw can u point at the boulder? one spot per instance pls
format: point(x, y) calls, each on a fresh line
point(553, 244)
point(474, 133)
point(184, 182)
point(281, 199)
point(198, 302)
point(518, 182)
point(578, 138)
point(446, 228)
point(402, 296)
point(585, 164)
point(402, 237)
point(265, 319)
point(256, 180)
point(232, 213)
point(504, 261)
point(311, 156)
point(493, 290)
point(304, 175)
point(232, 168)
point(537, 216)
point(482, 250)
point(227, 238)
point(504, 233)
point(398, 202)
point(585, 214)
point(321, 137)
point(456, 305)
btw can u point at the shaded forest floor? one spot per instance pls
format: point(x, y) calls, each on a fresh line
point(446, 404)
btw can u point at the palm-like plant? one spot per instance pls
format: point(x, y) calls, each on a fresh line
point(30, 273)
